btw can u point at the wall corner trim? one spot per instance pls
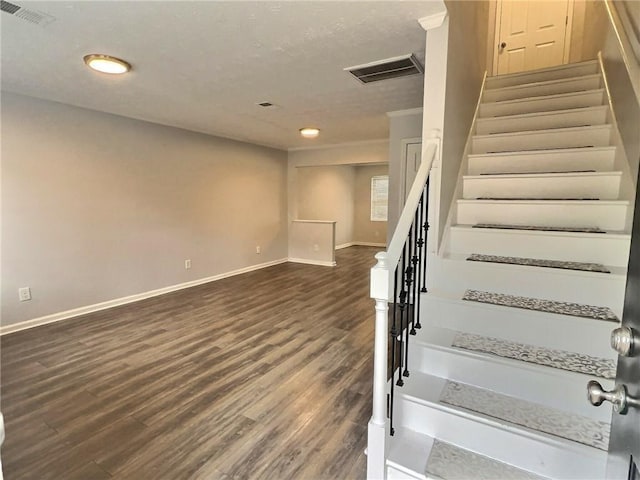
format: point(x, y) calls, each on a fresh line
point(432, 21)
point(56, 317)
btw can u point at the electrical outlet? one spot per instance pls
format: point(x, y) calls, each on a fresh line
point(187, 264)
point(258, 249)
point(316, 247)
point(24, 294)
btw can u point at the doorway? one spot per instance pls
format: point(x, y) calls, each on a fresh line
point(531, 34)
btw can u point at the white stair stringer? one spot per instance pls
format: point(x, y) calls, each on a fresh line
point(542, 88)
point(606, 248)
point(546, 120)
point(600, 159)
point(419, 408)
point(598, 185)
point(553, 73)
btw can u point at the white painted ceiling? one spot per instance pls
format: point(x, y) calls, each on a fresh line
point(203, 66)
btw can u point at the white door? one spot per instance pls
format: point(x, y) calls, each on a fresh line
point(531, 34)
point(412, 157)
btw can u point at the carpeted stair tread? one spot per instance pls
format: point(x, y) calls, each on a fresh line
point(536, 199)
point(537, 417)
point(541, 228)
point(541, 305)
point(449, 462)
point(535, 262)
point(538, 173)
point(560, 359)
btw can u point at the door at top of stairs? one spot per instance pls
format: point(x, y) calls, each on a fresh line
point(531, 34)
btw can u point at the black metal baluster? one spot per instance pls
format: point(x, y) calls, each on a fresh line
point(426, 231)
point(420, 244)
point(403, 308)
point(394, 334)
point(408, 281)
point(416, 277)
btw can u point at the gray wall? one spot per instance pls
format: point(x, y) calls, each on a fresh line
point(364, 230)
point(97, 207)
point(401, 127)
point(327, 193)
point(466, 65)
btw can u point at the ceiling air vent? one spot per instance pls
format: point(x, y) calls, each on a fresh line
point(389, 68)
point(32, 16)
point(9, 7)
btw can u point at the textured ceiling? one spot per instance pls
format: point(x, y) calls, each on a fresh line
point(203, 66)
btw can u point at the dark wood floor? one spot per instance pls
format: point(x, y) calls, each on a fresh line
point(265, 375)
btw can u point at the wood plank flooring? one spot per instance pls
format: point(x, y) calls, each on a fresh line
point(265, 375)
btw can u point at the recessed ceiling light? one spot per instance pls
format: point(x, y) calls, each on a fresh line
point(106, 64)
point(309, 132)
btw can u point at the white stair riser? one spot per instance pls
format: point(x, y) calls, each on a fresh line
point(580, 137)
point(530, 452)
point(601, 214)
point(596, 186)
point(559, 332)
point(541, 121)
point(395, 474)
point(598, 159)
point(509, 378)
point(599, 248)
point(591, 82)
point(565, 71)
point(543, 104)
point(604, 290)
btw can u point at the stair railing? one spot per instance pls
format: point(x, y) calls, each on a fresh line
point(397, 280)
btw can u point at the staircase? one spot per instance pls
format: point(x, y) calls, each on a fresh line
point(522, 302)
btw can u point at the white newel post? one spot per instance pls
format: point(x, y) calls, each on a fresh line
point(378, 425)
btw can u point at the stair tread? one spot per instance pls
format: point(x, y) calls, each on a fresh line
point(535, 174)
point(535, 262)
point(546, 82)
point(448, 461)
point(548, 357)
point(565, 66)
point(580, 174)
point(542, 305)
point(409, 451)
point(544, 97)
point(517, 116)
point(493, 136)
point(527, 414)
point(547, 150)
point(592, 232)
point(537, 228)
point(547, 201)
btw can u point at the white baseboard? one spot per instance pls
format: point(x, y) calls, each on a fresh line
point(312, 262)
point(370, 244)
point(361, 244)
point(75, 312)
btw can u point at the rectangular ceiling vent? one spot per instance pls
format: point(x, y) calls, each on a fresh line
point(32, 16)
point(395, 67)
point(9, 7)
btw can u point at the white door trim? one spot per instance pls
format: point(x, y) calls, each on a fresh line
point(404, 143)
point(567, 35)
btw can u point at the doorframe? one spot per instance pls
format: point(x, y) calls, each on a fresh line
point(404, 144)
point(496, 34)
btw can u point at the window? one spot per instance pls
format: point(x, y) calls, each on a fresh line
point(379, 198)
